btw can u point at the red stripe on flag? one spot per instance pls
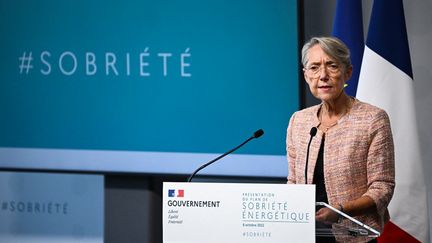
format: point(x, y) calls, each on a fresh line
point(392, 233)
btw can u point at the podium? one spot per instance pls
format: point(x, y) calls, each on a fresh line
point(346, 227)
point(248, 212)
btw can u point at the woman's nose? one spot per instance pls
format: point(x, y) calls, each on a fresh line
point(323, 73)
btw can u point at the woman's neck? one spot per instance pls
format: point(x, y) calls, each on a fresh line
point(337, 107)
point(331, 112)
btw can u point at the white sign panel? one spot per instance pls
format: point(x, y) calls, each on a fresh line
point(48, 207)
point(236, 213)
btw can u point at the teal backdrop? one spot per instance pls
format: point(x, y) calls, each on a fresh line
point(193, 77)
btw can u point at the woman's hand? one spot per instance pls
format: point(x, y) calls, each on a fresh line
point(326, 216)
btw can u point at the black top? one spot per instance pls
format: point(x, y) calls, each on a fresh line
point(321, 194)
point(318, 178)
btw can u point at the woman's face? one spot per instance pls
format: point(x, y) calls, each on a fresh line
point(325, 76)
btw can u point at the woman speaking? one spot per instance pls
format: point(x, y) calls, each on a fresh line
point(343, 145)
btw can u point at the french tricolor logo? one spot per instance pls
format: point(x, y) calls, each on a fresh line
point(175, 193)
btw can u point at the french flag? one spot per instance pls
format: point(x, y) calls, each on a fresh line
point(175, 193)
point(386, 80)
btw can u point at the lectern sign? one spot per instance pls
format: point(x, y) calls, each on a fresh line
point(235, 213)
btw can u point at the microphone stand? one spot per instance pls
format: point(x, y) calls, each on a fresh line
point(257, 134)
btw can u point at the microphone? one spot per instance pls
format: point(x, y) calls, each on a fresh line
point(312, 133)
point(256, 134)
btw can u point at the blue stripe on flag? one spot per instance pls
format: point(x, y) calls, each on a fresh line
point(348, 26)
point(387, 34)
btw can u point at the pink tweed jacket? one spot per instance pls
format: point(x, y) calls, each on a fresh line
point(358, 157)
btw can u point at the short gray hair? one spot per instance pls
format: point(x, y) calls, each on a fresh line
point(332, 46)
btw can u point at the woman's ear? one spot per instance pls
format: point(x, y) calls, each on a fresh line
point(348, 73)
point(305, 76)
